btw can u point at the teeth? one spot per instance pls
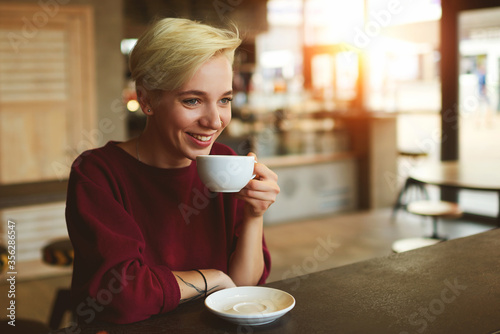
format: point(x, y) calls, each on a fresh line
point(200, 137)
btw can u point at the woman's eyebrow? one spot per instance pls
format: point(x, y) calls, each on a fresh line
point(200, 93)
point(192, 92)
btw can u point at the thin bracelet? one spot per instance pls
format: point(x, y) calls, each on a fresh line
point(205, 280)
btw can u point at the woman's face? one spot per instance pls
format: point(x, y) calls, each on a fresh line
point(188, 120)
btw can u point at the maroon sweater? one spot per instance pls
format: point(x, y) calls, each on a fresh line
point(132, 224)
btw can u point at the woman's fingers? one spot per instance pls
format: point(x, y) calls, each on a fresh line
point(261, 192)
point(263, 172)
point(261, 189)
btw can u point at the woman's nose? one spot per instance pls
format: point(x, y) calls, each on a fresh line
point(211, 118)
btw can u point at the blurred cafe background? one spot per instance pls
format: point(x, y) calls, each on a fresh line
point(342, 99)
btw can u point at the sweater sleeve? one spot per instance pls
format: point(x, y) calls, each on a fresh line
point(111, 281)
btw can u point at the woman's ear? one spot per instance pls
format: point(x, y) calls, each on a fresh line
point(144, 100)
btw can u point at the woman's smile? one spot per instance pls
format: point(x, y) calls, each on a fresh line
point(202, 139)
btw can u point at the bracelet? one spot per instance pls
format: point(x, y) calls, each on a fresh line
point(204, 279)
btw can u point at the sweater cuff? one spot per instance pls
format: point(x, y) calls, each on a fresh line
point(170, 287)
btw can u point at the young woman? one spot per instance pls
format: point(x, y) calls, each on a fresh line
point(146, 232)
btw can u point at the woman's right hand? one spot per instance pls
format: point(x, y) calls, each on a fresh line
point(192, 285)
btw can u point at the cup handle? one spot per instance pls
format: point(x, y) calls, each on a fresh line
point(254, 175)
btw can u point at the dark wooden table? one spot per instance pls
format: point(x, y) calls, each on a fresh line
point(452, 287)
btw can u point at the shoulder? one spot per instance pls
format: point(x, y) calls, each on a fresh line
point(95, 155)
point(221, 149)
point(100, 160)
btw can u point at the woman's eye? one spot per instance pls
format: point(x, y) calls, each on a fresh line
point(226, 100)
point(191, 102)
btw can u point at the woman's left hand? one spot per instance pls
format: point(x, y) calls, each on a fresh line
point(261, 191)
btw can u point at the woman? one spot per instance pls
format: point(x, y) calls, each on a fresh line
point(146, 232)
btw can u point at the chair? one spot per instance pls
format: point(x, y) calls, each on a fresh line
point(412, 153)
point(436, 210)
point(3, 259)
point(23, 326)
point(59, 253)
point(412, 189)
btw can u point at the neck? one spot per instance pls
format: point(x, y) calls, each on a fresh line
point(152, 151)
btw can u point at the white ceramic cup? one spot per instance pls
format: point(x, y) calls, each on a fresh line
point(225, 173)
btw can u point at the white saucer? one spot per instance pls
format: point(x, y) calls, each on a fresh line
point(250, 305)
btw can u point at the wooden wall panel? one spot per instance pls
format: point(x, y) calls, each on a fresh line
point(36, 226)
point(47, 90)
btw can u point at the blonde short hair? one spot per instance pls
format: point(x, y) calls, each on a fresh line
point(170, 51)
